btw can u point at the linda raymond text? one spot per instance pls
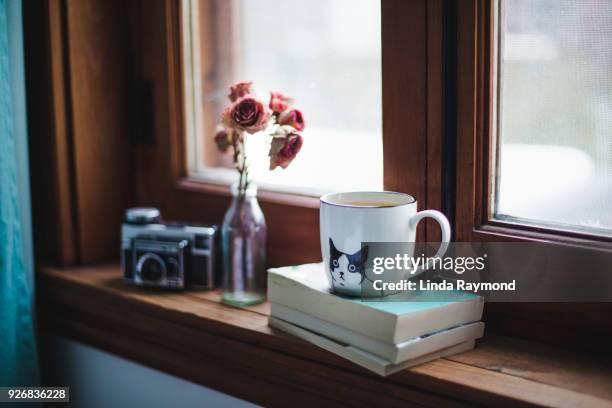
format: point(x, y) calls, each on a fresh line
point(444, 285)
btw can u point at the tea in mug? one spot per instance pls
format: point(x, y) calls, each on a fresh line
point(371, 203)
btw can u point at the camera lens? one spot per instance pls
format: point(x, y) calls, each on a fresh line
point(151, 267)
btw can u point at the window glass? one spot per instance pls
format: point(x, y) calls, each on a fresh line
point(554, 114)
point(325, 54)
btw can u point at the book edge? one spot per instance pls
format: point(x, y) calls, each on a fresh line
point(393, 352)
point(363, 358)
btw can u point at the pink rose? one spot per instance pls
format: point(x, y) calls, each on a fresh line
point(222, 139)
point(279, 102)
point(248, 114)
point(292, 117)
point(239, 89)
point(286, 144)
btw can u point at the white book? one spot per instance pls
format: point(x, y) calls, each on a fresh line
point(363, 358)
point(395, 353)
point(396, 319)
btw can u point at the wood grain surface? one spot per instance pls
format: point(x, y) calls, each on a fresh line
point(192, 335)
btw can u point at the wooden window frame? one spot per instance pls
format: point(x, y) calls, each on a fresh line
point(79, 110)
point(80, 128)
point(566, 324)
point(475, 133)
point(412, 134)
point(77, 55)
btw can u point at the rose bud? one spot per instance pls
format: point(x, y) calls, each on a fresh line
point(279, 102)
point(292, 117)
point(239, 89)
point(226, 117)
point(222, 139)
point(249, 114)
point(283, 149)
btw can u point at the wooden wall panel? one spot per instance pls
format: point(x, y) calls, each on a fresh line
point(49, 134)
point(435, 114)
point(404, 71)
point(98, 57)
point(78, 92)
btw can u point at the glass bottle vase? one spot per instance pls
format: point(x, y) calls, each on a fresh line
point(243, 237)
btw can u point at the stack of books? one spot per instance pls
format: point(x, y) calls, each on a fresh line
point(383, 336)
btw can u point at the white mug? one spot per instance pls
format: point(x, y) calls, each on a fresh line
point(349, 219)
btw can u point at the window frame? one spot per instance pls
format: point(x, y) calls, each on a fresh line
point(475, 141)
point(292, 219)
point(419, 111)
point(565, 324)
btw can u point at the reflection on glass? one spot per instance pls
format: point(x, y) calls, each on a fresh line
point(325, 54)
point(554, 117)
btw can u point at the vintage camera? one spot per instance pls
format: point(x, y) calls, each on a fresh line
point(167, 255)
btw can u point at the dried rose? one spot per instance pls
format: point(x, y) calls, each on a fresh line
point(279, 102)
point(226, 117)
point(292, 117)
point(286, 144)
point(239, 89)
point(248, 114)
point(223, 139)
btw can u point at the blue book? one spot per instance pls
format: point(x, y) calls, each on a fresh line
point(397, 319)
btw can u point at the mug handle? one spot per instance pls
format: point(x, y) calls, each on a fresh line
point(444, 228)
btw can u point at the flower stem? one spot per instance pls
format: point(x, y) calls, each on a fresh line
point(245, 170)
point(241, 164)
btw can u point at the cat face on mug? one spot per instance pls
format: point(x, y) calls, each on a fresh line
point(347, 270)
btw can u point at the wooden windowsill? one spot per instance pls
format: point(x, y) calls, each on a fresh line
point(192, 335)
point(266, 196)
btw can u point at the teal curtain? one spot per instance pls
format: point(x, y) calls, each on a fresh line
point(18, 359)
